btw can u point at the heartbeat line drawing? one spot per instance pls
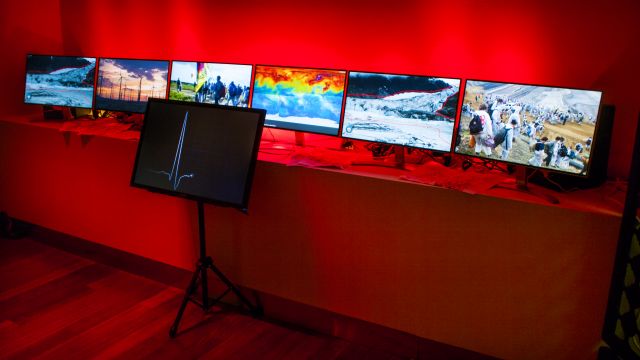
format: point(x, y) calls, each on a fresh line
point(174, 175)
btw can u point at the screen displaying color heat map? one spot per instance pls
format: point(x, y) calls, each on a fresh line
point(298, 99)
point(409, 110)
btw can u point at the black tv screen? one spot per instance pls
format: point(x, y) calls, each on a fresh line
point(409, 110)
point(214, 83)
point(126, 84)
point(537, 126)
point(200, 151)
point(308, 100)
point(60, 80)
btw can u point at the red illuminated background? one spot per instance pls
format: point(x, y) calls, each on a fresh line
point(583, 44)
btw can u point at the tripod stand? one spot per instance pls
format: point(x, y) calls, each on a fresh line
point(199, 279)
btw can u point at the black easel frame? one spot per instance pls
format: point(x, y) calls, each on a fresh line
point(627, 228)
point(199, 280)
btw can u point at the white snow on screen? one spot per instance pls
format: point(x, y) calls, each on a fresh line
point(585, 101)
point(304, 120)
point(56, 88)
point(408, 118)
point(426, 134)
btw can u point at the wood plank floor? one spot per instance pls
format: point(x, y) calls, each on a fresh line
point(56, 305)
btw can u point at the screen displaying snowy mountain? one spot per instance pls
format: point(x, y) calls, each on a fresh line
point(126, 85)
point(213, 83)
point(300, 99)
point(539, 126)
point(60, 80)
point(417, 111)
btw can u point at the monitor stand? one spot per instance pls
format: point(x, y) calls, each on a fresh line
point(199, 280)
point(56, 113)
point(82, 114)
point(299, 138)
point(279, 148)
point(397, 162)
point(522, 185)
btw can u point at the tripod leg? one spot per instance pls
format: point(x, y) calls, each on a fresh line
point(205, 287)
point(193, 285)
point(254, 310)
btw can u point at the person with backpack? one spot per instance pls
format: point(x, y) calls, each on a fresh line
point(548, 149)
point(538, 154)
point(563, 157)
point(588, 144)
point(515, 116)
point(496, 115)
point(233, 91)
point(481, 130)
point(575, 158)
point(553, 159)
point(219, 90)
point(508, 139)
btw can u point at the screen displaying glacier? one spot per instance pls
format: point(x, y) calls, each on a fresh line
point(299, 99)
point(409, 110)
point(540, 126)
point(60, 80)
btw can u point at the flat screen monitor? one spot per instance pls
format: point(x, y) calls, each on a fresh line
point(537, 126)
point(126, 84)
point(199, 151)
point(308, 100)
point(60, 80)
point(212, 83)
point(409, 110)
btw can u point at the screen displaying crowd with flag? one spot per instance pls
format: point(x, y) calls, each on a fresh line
point(212, 83)
point(539, 126)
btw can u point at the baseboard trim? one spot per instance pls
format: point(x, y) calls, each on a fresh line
point(279, 310)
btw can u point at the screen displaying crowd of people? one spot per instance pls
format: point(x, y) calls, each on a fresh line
point(530, 125)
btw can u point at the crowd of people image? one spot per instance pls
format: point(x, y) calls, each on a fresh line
point(219, 93)
point(498, 124)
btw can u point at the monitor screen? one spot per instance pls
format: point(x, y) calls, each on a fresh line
point(60, 80)
point(200, 151)
point(299, 99)
point(410, 110)
point(213, 83)
point(126, 84)
point(538, 126)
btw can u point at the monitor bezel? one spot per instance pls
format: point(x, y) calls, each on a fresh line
point(455, 118)
point(594, 137)
point(244, 204)
point(344, 92)
point(95, 74)
point(95, 92)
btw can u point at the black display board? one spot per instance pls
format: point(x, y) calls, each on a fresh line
point(199, 151)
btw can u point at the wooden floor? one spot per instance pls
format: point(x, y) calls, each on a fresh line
point(55, 305)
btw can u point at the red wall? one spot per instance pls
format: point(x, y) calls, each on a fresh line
point(566, 43)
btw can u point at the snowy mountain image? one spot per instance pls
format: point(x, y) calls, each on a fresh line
point(62, 81)
point(404, 110)
point(571, 100)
